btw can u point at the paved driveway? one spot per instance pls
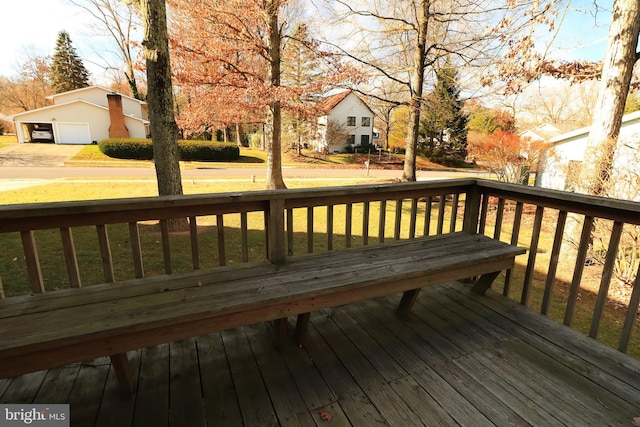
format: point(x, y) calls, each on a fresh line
point(37, 154)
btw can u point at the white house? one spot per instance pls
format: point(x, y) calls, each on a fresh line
point(345, 120)
point(84, 116)
point(561, 165)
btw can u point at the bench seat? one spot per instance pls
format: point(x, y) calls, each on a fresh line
point(71, 325)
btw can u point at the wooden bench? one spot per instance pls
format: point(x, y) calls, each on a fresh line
point(71, 325)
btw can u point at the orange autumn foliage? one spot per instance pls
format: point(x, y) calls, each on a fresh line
point(221, 64)
point(506, 155)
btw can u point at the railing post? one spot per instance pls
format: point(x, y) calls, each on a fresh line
point(472, 210)
point(275, 231)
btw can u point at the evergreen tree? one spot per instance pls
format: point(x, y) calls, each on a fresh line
point(67, 70)
point(301, 68)
point(443, 127)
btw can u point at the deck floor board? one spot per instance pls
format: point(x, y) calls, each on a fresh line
point(457, 359)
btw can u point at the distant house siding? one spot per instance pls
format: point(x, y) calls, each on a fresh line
point(561, 166)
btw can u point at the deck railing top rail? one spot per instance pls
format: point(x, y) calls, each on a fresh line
point(601, 207)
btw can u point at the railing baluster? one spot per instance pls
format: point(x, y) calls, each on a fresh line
point(348, 219)
point(365, 223)
point(579, 268)
point(244, 236)
point(290, 231)
point(329, 227)
point(441, 209)
point(105, 253)
point(136, 250)
point(499, 216)
point(427, 215)
point(553, 262)
point(193, 237)
point(533, 251)
point(398, 220)
point(454, 212)
point(166, 246)
point(515, 235)
point(310, 229)
point(382, 219)
point(607, 273)
point(33, 263)
point(414, 218)
point(632, 313)
point(484, 208)
point(222, 256)
point(70, 257)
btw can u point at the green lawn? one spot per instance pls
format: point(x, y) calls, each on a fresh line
point(7, 139)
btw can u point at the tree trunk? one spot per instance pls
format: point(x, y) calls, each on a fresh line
point(238, 135)
point(415, 104)
point(274, 119)
point(616, 76)
point(164, 130)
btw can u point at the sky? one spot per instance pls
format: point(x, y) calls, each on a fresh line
point(30, 26)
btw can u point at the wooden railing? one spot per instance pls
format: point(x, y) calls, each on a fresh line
point(574, 227)
point(72, 244)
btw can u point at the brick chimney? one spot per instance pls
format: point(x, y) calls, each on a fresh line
point(116, 116)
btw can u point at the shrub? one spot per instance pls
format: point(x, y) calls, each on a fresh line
point(208, 151)
point(127, 148)
point(361, 149)
point(142, 149)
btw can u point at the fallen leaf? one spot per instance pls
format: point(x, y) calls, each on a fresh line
point(324, 415)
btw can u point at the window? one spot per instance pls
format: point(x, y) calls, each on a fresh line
point(366, 121)
point(351, 120)
point(364, 139)
point(351, 139)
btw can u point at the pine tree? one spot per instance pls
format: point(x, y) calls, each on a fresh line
point(443, 127)
point(67, 70)
point(301, 68)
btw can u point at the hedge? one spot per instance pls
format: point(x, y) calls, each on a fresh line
point(142, 149)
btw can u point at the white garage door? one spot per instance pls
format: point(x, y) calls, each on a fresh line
point(73, 133)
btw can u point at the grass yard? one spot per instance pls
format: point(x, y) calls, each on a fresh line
point(7, 140)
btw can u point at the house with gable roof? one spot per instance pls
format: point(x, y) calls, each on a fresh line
point(345, 120)
point(84, 116)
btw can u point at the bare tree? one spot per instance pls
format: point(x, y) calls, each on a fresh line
point(28, 91)
point(335, 134)
point(274, 114)
point(164, 130)
point(619, 61)
point(120, 20)
point(405, 40)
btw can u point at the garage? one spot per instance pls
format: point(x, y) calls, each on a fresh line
point(83, 116)
point(36, 132)
point(72, 133)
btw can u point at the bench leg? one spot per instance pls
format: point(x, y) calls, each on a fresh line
point(484, 282)
point(281, 326)
point(407, 301)
point(301, 328)
point(122, 368)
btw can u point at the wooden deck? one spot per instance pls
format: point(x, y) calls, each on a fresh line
point(459, 359)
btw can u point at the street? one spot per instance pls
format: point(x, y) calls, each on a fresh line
point(22, 165)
